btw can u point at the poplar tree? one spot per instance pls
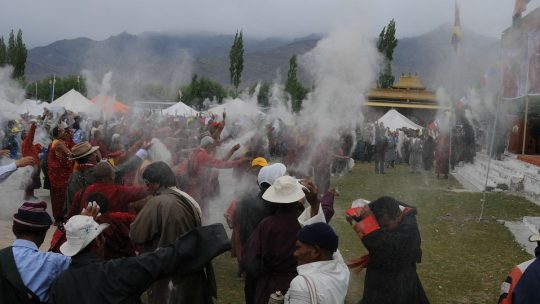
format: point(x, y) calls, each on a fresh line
point(386, 44)
point(292, 86)
point(3, 52)
point(19, 62)
point(11, 49)
point(236, 60)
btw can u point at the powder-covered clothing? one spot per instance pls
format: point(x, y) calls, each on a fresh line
point(165, 217)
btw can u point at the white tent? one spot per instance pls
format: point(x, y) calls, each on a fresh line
point(75, 102)
point(395, 120)
point(8, 107)
point(180, 109)
point(236, 107)
point(32, 107)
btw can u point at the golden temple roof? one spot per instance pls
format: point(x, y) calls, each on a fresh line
point(407, 90)
point(409, 82)
point(402, 95)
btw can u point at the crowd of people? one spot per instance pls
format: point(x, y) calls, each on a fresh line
point(423, 149)
point(129, 219)
point(131, 198)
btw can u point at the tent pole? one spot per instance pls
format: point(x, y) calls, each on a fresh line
point(525, 124)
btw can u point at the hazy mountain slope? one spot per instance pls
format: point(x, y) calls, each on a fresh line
point(171, 59)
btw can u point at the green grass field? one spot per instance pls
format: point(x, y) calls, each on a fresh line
point(464, 261)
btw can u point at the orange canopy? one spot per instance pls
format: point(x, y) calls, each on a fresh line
point(110, 104)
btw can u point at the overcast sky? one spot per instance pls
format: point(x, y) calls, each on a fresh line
point(44, 22)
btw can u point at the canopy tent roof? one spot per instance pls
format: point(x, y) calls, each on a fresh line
point(75, 102)
point(395, 120)
point(32, 107)
point(236, 107)
point(8, 106)
point(180, 109)
point(109, 104)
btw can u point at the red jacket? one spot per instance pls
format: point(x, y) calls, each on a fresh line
point(118, 196)
point(200, 159)
point(28, 148)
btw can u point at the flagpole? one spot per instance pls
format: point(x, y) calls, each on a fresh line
point(456, 38)
point(53, 83)
point(525, 124)
point(490, 152)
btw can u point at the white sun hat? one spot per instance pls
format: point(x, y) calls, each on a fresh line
point(81, 230)
point(285, 190)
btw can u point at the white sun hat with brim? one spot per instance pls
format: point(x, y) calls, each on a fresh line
point(81, 230)
point(285, 190)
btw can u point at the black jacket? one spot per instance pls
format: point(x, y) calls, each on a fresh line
point(391, 276)
point(92, 280)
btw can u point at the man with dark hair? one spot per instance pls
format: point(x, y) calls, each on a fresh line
point(389, 232)
point(25, 273)
point(167, 215)
point(90, 279)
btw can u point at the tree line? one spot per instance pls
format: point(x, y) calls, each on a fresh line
point(14, 54)
point(200, 88)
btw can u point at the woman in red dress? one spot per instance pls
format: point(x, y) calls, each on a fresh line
point(60, 168)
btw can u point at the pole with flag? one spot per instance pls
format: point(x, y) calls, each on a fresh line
point(456, 33)
point(52, 83)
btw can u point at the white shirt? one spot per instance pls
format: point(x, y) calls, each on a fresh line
point(5, 171)
point(330, 278)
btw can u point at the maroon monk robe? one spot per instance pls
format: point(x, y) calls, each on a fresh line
point(267, 256)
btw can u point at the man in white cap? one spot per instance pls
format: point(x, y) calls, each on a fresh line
point(90, 279)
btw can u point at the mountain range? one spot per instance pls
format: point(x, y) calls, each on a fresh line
point(167, 59)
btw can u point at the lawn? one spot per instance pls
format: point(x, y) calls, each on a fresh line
point(464, 261)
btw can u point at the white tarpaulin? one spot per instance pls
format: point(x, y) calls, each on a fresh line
point(395, 120)
point(32, 107)
point(75, 102)
point(8, 107)
point(236, 107)
point(180, 109)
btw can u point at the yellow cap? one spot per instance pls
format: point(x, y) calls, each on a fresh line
point(259, 161)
